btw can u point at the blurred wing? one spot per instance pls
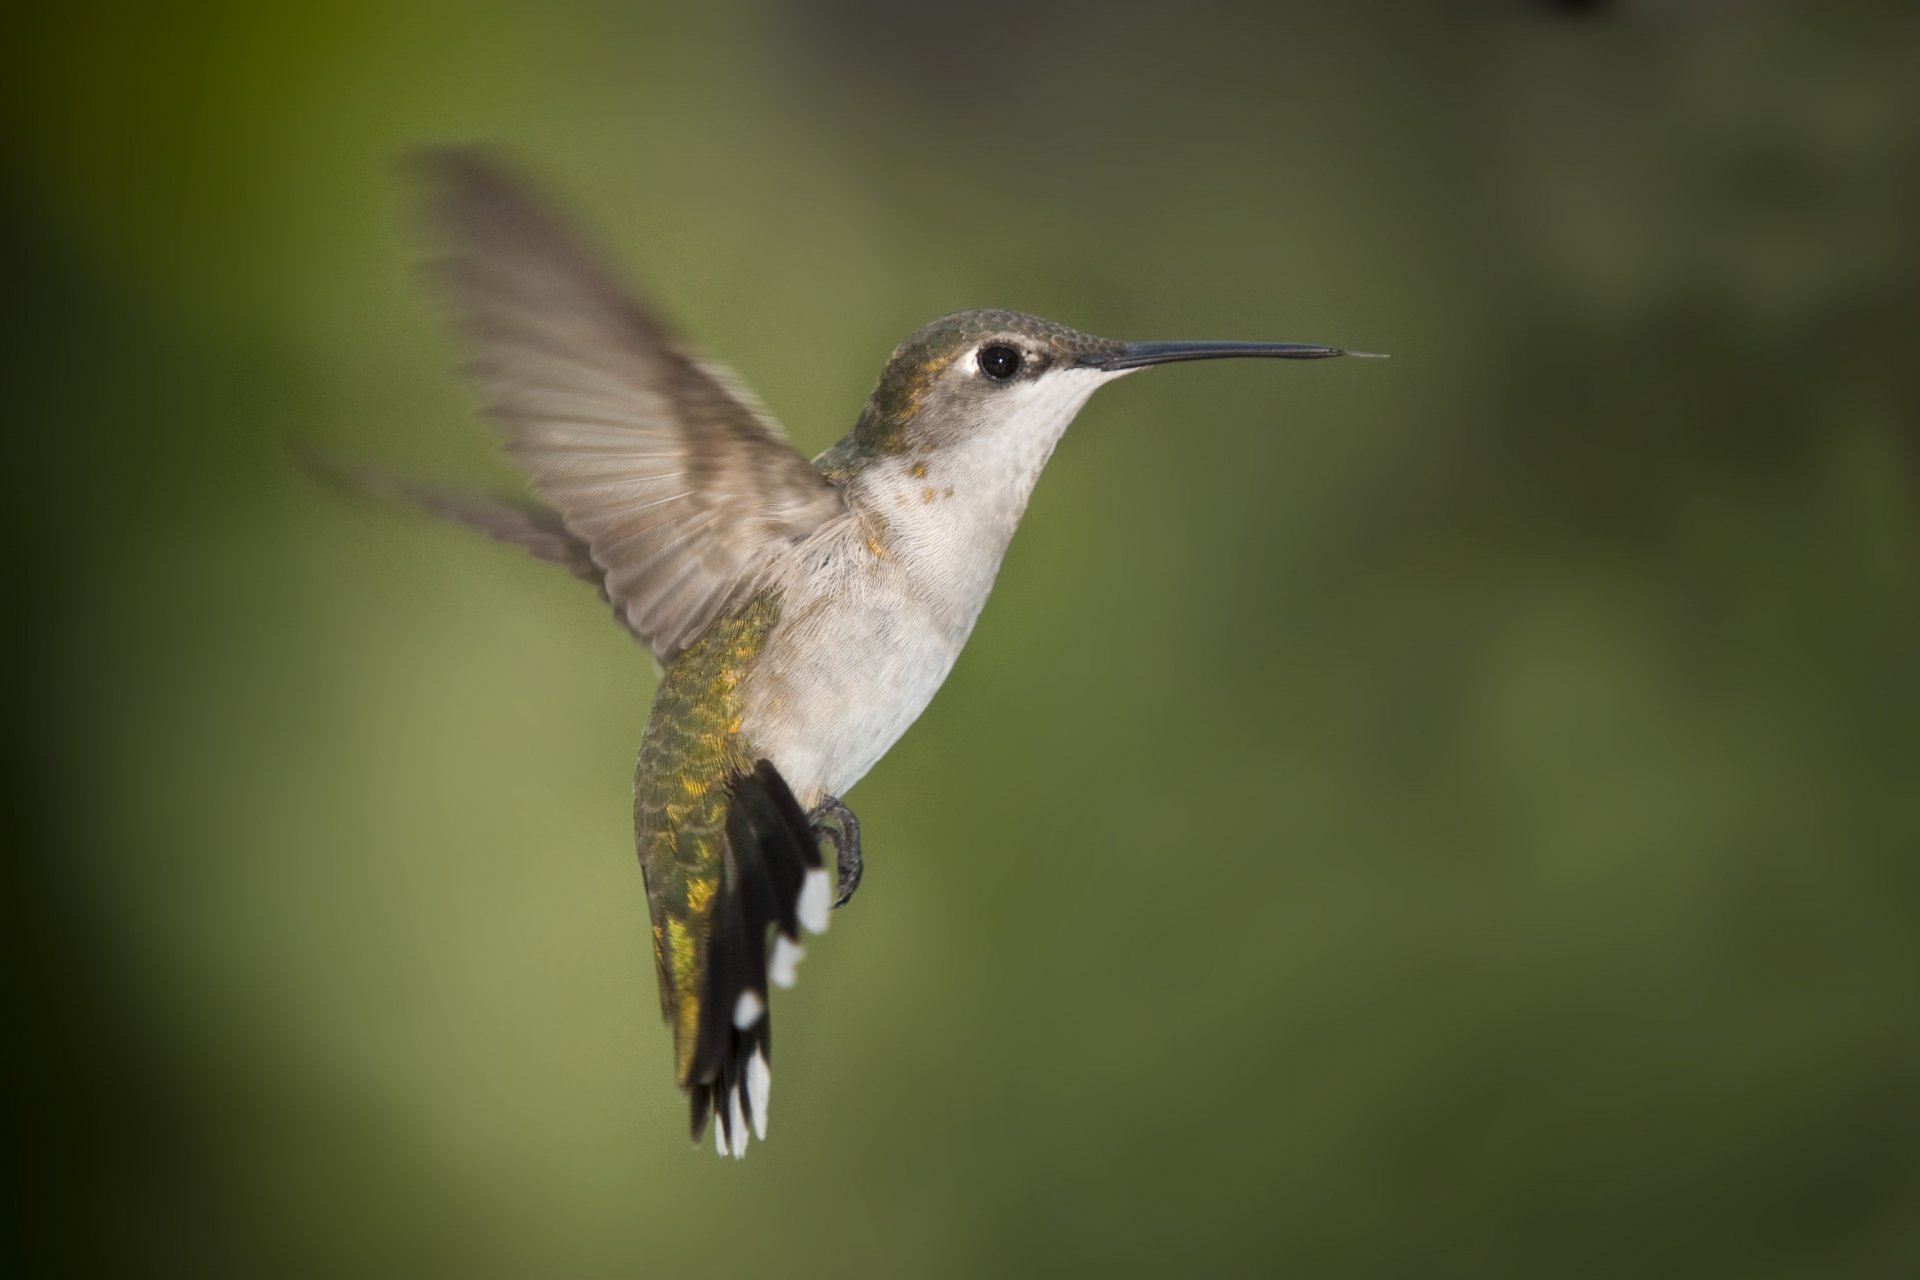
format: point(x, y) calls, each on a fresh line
point(678, 482)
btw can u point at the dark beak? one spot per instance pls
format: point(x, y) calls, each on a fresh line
point(1138, 355)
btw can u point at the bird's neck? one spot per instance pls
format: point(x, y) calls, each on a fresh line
point(946, 514)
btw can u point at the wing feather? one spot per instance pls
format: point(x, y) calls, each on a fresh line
point(676, 479)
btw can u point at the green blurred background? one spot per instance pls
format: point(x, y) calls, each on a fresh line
point(1450, 816)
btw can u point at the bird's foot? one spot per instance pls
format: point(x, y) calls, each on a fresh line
point(834, 823)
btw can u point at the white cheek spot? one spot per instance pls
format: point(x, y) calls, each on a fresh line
point(1041, 407)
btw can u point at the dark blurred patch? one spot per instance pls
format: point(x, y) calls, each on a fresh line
point(929, 50)
point(93, 1104)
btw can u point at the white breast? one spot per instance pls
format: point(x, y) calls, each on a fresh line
point(876, 607)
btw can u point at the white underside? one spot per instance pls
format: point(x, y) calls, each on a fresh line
point(877, 605)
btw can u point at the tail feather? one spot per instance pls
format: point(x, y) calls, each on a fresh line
point(773, 862)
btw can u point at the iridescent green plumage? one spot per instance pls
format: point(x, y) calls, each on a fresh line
point(681, 793)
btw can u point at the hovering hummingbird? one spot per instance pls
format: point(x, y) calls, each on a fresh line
point(804, 613)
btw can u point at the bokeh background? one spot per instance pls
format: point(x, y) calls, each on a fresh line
point(1451, 816)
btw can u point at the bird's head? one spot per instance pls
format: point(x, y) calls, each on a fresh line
point(981, 376)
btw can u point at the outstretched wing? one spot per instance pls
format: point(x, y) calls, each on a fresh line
point(663, 465)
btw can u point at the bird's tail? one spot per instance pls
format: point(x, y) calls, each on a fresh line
point(772, 885)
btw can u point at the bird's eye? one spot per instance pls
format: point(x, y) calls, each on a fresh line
point(999, 363)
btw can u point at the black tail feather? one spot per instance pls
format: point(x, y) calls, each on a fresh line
point(771, 849)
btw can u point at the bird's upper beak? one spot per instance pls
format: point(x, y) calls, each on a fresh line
point(1138, 355)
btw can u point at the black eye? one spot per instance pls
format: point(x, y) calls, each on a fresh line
point(999, 363)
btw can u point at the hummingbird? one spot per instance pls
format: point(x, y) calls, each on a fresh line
point(803, 613)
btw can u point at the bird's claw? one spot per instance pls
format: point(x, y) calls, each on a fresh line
point(834, 823)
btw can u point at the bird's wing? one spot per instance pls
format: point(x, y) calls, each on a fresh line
point(520, 523)
point(665, 466)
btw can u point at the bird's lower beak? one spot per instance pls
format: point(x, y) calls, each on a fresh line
point(1138, 355)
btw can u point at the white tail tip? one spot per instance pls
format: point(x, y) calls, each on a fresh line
point(816, 901)
point(740, 1138)
point(787, 954)
point(759, 1085)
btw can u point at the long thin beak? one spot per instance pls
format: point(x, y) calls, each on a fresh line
point(1138, 355)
